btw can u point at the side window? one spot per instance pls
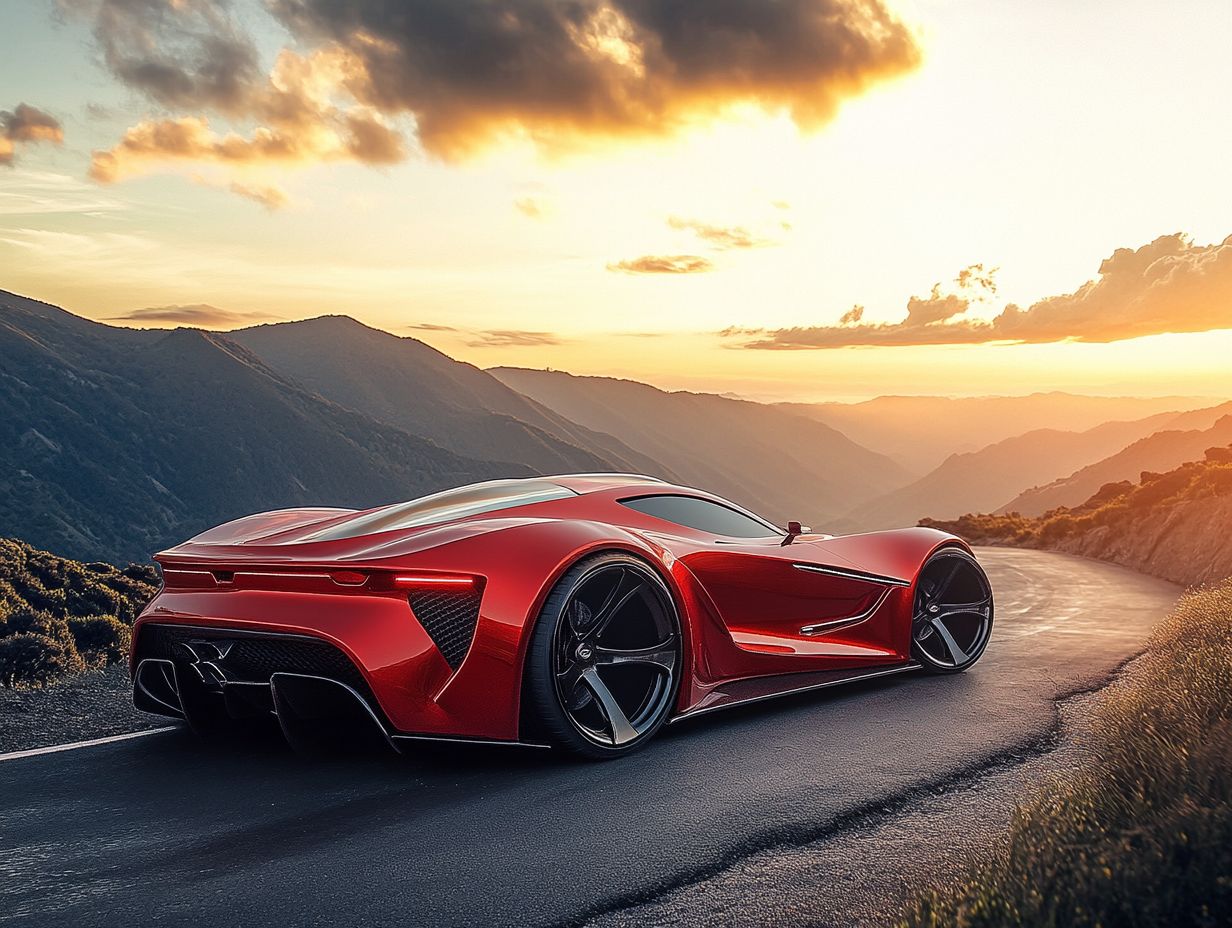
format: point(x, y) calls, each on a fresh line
point(702, 515)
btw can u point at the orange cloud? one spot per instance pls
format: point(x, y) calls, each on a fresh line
point(722, 238)
point(24, 125)
point(1167, 286)
point(531, 207)
point(470, 73)
point(663, 264)
point(302, 125)
point(272, 198)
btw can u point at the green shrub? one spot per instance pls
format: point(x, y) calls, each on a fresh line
point(79, 608)
point(101, 636)
point(25, 620)
point(36, 660)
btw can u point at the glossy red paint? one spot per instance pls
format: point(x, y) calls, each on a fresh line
point(742, 602)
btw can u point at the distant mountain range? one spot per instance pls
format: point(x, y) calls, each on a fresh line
point(982, 481)
point(1162, 451)
point(920, 432)
point(781, 464)
point(403, 382)
point(115, 442)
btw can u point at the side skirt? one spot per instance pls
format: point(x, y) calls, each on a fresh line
point(759, 689)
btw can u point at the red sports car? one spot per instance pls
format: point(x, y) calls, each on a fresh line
point(582, 612)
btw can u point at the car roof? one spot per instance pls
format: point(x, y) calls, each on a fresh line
point(592, 483)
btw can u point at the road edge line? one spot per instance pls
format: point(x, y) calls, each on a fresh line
point(93, 742)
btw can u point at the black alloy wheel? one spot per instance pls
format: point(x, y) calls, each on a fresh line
point(952, 619)
point(605, 657)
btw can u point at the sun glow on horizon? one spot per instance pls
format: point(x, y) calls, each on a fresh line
point(1028, 139)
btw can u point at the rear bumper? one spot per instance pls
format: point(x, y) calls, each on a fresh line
point(214, 678)
point(414, 683)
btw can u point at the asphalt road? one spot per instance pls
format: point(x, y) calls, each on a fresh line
point(163, 830)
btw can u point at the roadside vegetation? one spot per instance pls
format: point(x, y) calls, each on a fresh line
point(1172, 525)
point(60, 617)
point(1142, 834)
point(1115, 503)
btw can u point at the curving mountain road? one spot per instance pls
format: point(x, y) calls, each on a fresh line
point(163, 830)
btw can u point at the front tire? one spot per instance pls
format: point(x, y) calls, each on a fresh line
point(952, 616)
point(604, 662)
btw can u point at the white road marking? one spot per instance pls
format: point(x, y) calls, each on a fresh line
point(57, 748)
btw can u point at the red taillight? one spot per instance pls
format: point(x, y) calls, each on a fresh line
point(417, 581)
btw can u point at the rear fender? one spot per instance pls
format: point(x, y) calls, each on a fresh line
point(529, 560)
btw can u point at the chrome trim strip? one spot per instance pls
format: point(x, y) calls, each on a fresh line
point(884, 672)
point(834, 624)
point(852, 574)
point(460, 740)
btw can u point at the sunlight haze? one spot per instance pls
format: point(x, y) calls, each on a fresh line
point(1033, 140)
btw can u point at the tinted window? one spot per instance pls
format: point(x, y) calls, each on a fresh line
point(447, 506)
point(702, 515)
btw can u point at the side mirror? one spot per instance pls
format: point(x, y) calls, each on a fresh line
point(795, 529)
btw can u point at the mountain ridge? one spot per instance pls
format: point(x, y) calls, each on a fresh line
point(115, 442)
point(409, 384)
point(776, 463)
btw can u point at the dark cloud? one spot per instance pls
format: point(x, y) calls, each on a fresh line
point(467, 72)
point(1169, 285)
point(24, 125)
point(182, 54)
point(431, 327)
point(663, 264)
point(512, 338)
point(194, 314)
point(472, 69)
point(721, 238)
point(192, 55)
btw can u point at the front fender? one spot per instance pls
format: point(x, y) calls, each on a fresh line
point(899, 553)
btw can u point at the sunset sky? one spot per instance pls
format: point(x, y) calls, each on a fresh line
point(803, 199)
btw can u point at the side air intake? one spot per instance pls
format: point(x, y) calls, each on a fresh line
point(449, 617)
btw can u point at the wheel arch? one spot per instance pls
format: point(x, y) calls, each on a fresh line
point(633, 547)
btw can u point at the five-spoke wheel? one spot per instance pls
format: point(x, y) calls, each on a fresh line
point(952, 620)
point(605, 657)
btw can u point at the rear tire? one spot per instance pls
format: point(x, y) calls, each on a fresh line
point(604, 661)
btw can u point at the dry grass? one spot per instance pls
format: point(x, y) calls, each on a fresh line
point(1143, 835)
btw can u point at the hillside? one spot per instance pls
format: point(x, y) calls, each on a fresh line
point(1172, 525)
point(403, 382)
point(921, 431)
point(116, 442)
point(777, 463)
point(1161, 451)
point(984, 480)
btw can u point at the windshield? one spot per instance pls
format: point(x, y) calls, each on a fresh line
point(446, 506)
